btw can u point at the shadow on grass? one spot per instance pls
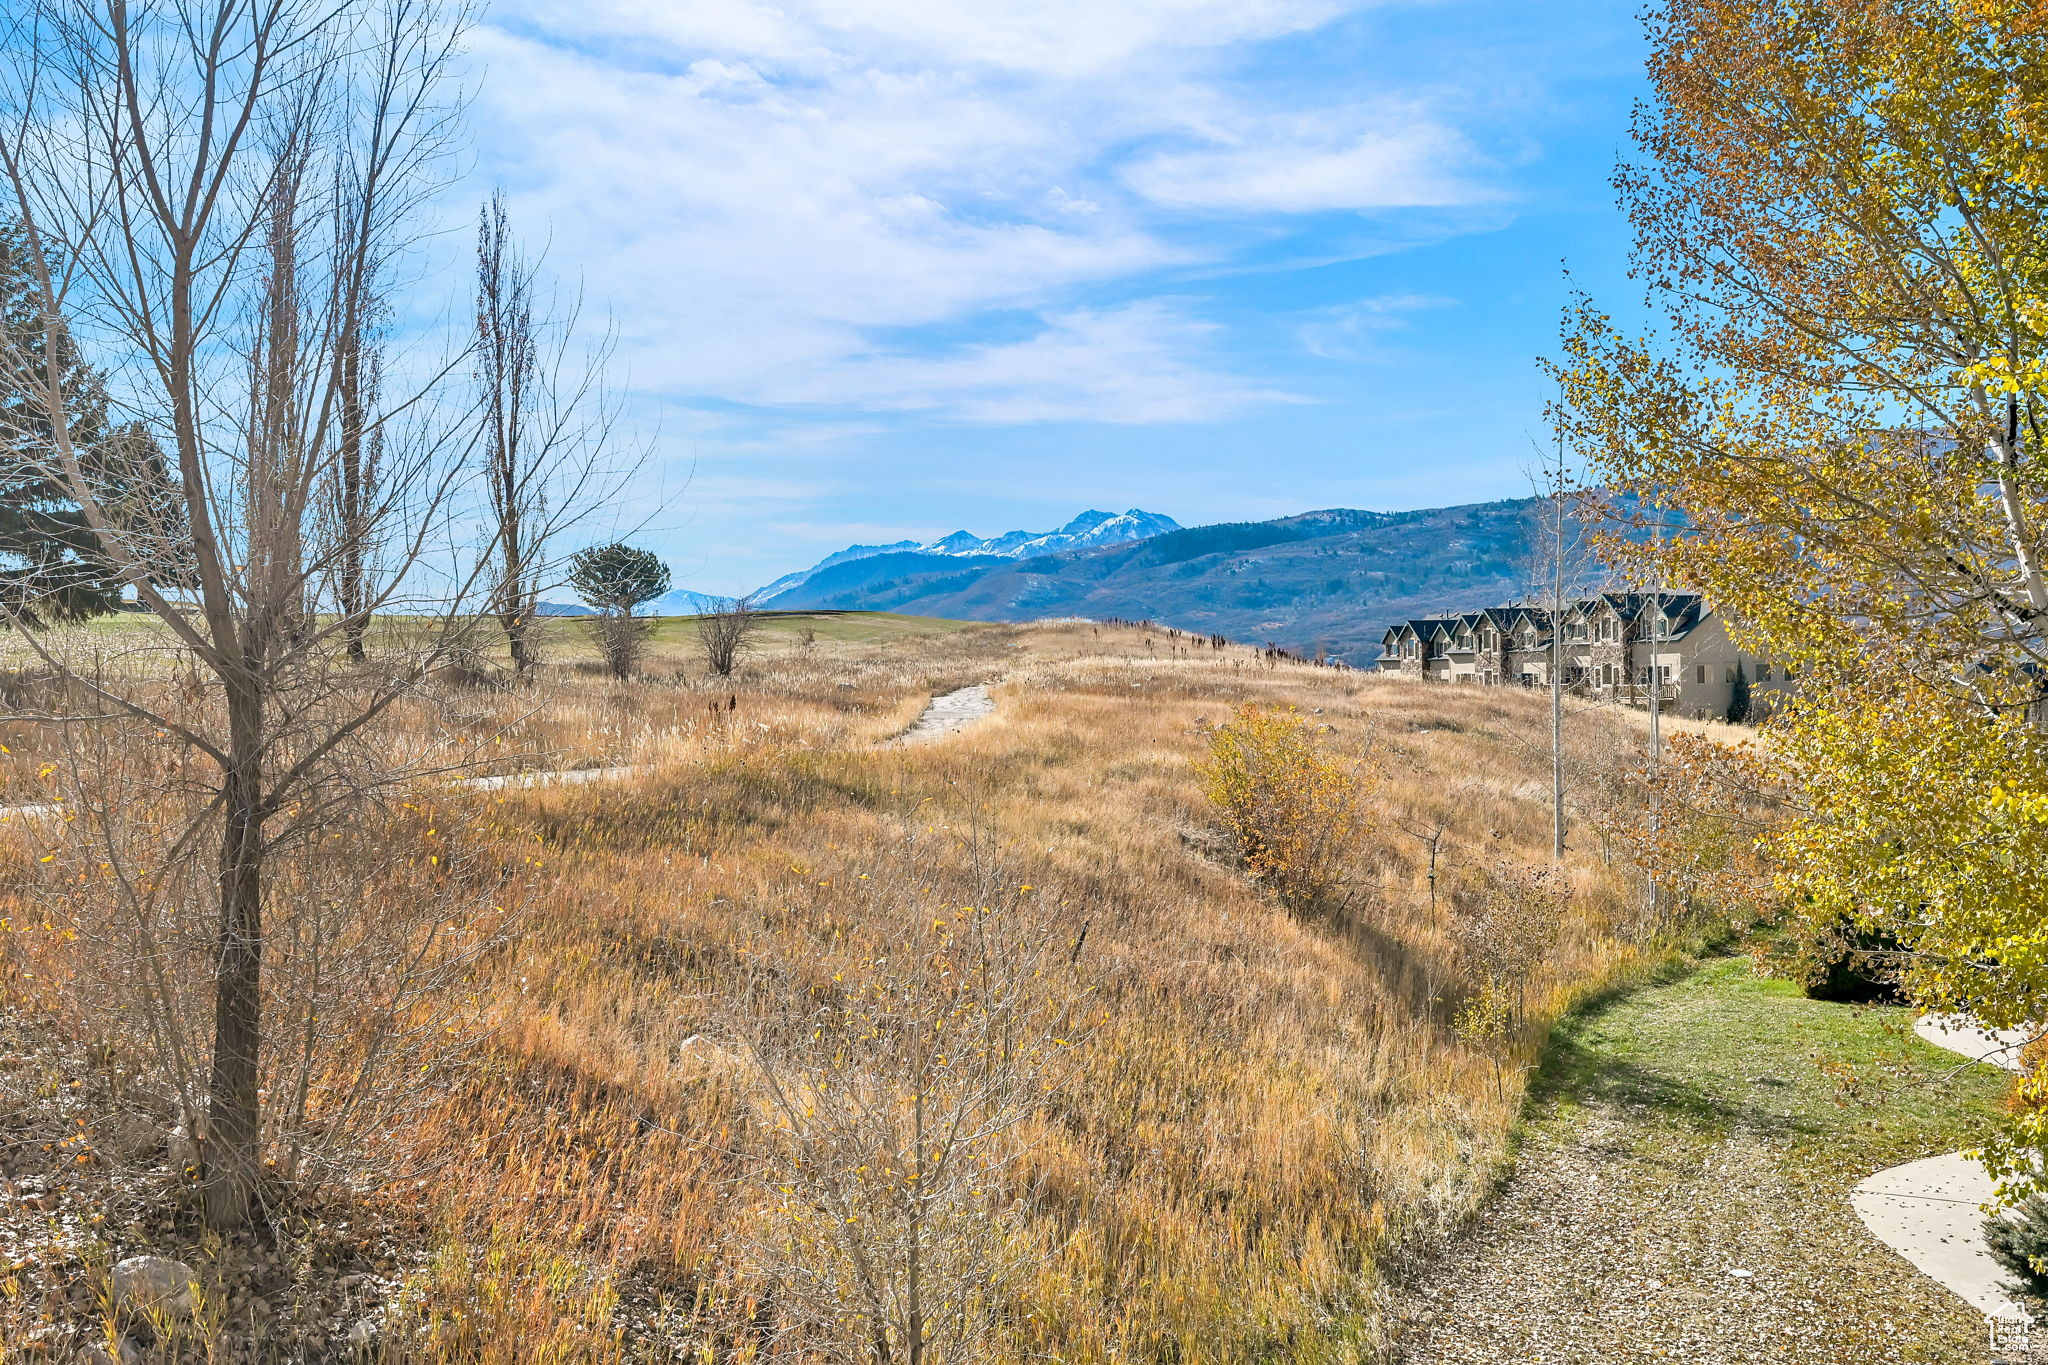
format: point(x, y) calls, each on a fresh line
point(1577, 1068)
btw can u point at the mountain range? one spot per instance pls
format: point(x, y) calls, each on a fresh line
point(1091, 530)
point(1329, 581)
point(681, 602)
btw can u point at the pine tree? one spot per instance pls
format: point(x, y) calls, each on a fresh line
point(51, 567)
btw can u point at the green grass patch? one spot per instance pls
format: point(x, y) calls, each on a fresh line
point(1720, 1050)
point(855, 627)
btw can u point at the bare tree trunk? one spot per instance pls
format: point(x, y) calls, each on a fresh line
point(355, 478)
point(231, 1144)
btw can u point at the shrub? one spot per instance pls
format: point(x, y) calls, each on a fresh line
point(1842, 961)
point(1503, 932)
point(725, 633)
point(2018, 1239)
point(1293, 811)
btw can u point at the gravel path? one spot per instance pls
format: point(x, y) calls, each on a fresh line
point(949, 714)
point(1619, 1241)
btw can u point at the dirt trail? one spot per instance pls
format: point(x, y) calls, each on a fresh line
point(1683, 1191)
point(1606, 1248)
point(949, 714)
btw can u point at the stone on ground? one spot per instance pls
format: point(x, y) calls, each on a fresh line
point(154, 1284)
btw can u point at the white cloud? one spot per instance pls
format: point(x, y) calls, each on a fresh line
point(1345, 331)
point(1412, 162)
point(825, 201)
point(1057, 38)
point(1141, 363)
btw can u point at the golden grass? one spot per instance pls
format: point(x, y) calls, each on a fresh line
point(1270, 1116)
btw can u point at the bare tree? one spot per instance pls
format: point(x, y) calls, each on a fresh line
point(209, 190)
point(550, 428)
point(725, 633)
point(889, 1088)
point(1561, 567)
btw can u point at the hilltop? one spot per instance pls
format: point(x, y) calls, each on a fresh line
point(1331, 580)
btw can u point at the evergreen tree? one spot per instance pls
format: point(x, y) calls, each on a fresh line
point(1738, 697)
point(616, 579)
point(51, 563)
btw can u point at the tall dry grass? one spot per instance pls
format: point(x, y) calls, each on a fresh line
point(1269, 1116)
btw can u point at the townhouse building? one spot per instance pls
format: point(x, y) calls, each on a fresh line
point(1610, 645)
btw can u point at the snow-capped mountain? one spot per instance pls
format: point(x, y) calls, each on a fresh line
point(1090, 529)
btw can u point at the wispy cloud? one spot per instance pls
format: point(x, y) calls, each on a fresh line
point(1309, 166)
point(1346, 331)
point(765, 193)
point(1142, 363)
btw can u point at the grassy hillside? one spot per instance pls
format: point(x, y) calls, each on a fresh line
point(1258, 1114)
point(1332, 580)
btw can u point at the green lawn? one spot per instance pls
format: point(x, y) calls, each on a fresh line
point(1846, 1088)
point(853, 627)
point(778, 630)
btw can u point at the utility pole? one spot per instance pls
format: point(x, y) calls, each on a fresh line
point(1557, 553)
point(1656, 716)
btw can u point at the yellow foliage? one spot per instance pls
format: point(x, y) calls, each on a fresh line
point(1293, 810)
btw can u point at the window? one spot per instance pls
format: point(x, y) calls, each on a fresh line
point(1700, 674)
point(1763, 672)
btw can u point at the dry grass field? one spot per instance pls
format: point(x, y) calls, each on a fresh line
point(1255, 1119)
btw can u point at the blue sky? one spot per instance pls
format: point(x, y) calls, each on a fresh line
point(888, 268)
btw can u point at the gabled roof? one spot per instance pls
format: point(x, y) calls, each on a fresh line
point(1683, 610)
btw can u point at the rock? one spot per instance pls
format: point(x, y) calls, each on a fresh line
point(128, 1136)
point(154, 1284)
point(98, 1354)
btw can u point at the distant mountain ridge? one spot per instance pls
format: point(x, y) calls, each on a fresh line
point(681, 602)
point(1092, 529)
point(1332, 580)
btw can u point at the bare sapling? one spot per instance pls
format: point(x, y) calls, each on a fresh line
point(1561, 566)
point(893, 1082)
point(1505, 926)
point(551, 433)
point(725, 634)
point(211, 195)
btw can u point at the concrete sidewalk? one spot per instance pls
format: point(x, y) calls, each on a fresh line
point(1931, 1211)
